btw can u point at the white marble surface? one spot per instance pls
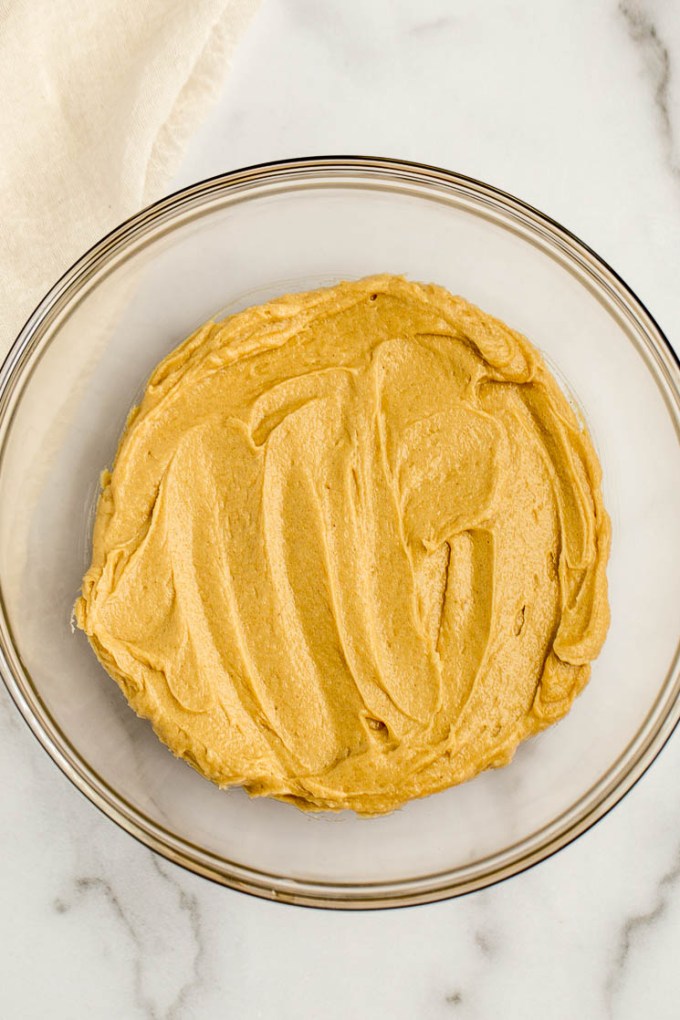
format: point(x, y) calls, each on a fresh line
point(575, 106)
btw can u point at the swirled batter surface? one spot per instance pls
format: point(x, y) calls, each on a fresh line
point(352, 549)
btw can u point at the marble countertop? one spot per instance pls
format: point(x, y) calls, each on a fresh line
point(575, 107)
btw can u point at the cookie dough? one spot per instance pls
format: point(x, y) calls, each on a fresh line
point(352, 549)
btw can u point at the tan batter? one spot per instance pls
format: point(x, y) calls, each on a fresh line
point(353, 548)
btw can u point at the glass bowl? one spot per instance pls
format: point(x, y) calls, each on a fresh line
point(79, 365)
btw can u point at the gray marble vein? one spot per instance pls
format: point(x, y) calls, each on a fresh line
point(645, 34)
point(634, 930)
point(485, 942)
point(90, 885)
point(170, 1001)
point(432, 26)
point(189, 905)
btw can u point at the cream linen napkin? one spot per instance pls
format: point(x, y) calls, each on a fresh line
point(97, 101)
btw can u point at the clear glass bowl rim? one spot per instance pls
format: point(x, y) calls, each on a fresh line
point(608, 791)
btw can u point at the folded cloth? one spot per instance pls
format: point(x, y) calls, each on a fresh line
point(97, 101)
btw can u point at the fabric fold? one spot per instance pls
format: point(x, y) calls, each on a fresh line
point(98, 104)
